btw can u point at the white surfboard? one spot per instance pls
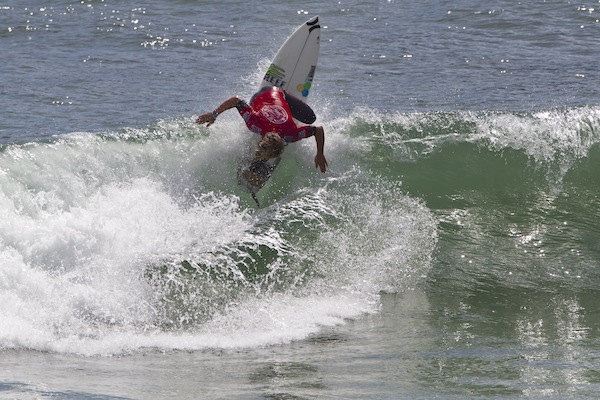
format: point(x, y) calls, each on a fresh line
point(294, 65)
point(292, 69)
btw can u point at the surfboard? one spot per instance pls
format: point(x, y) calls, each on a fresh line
point(292, 69)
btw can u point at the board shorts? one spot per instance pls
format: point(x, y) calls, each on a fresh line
point(274, 110)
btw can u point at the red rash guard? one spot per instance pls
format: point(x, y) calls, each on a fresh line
point(270, 112)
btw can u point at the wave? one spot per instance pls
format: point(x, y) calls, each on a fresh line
point(515, 194)
point(116, 242)
point(141, 238)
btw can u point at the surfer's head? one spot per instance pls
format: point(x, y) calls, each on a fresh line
point(270, 146)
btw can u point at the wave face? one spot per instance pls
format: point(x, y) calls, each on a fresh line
point(141, 238)
point(515, 194)
point(115, 242)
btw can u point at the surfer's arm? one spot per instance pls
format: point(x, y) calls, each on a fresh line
point(210, 117)
point(320, 160)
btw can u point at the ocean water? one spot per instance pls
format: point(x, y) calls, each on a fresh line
point(451, 251)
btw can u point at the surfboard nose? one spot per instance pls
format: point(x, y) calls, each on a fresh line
point(313, 21)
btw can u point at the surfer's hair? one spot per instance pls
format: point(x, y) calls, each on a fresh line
point(272, 143)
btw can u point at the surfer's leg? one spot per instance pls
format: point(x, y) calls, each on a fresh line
point(264, 89)
point(300, 110)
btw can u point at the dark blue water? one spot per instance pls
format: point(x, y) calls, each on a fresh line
point(451, 250)
point(93, 66)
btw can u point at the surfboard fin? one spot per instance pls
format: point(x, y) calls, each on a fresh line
point(255, 199)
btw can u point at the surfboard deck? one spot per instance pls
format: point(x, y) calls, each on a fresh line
point(292, 69)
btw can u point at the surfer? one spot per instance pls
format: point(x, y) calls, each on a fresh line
point(271, 111)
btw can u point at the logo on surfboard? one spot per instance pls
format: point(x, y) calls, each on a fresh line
point(275, 75)
point(305, 87)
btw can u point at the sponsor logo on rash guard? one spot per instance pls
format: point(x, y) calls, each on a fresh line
point(255, 129)
point(246, 116)
point(275, 114)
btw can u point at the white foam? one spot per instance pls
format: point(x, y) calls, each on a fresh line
point(87, 217)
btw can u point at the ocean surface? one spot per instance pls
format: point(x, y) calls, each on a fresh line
point(451, 251)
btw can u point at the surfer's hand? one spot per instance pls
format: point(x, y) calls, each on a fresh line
point(206, 118)
point(321, 162)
